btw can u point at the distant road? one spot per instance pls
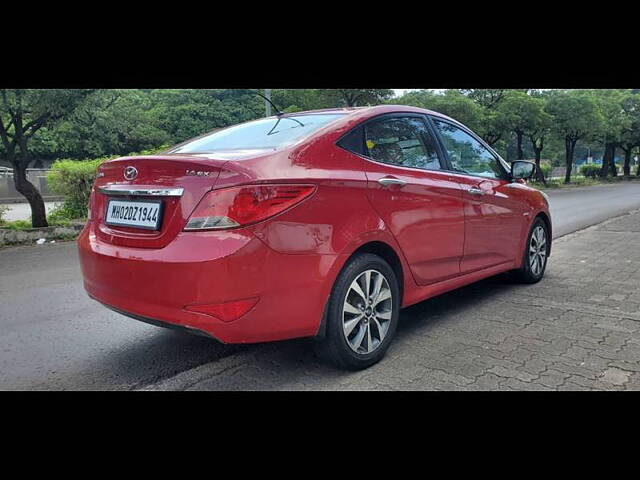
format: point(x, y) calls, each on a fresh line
point(576, 208)
point(52, 336)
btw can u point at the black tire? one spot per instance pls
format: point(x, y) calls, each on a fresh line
point(334, 347)
point(526, 274)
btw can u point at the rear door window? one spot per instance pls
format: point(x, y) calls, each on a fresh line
point(401, 141)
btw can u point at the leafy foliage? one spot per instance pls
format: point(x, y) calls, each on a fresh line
point(73, 179)
point(3, 211)
point(590, 170)
point(546, 169)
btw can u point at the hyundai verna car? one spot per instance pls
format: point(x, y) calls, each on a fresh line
point(316, 224)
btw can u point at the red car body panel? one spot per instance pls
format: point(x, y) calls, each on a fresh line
point(442, 237)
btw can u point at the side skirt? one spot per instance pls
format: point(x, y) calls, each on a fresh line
point(419, 294)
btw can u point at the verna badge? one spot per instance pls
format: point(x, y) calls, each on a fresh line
point(198, 173)
point(130, 173)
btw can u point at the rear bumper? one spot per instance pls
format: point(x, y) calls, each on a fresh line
point(151, 321)
point(203, 268)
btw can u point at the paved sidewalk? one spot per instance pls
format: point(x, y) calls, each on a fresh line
point(578, 329)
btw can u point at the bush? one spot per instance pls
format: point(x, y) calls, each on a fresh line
point(3, 210)
point(546, 170)
point(73, 179)
point(590, 170)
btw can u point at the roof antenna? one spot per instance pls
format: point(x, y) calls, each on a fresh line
point(278, 112)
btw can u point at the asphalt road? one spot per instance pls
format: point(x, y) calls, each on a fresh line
point(52, 336)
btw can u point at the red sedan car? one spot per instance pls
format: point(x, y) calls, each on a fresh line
point(316, 224)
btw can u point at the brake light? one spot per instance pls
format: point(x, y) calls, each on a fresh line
point(90, 204)
point(239, 206)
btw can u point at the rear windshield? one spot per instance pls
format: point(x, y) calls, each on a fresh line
point(269, 132)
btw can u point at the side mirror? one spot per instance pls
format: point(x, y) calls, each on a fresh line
point(522, 169)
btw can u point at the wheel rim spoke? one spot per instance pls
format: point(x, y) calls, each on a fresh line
point(367, 283)
point(385, 294)
point(376, 288)
point(355, 286)
point(349, 308)
point(381, 331)
point(349, 325)
point(357, 341)
point(369, 342)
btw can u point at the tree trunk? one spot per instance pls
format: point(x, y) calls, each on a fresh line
point(539, 173)
point(519, 135)
point(612, 162)
point(26, 188)
point(607, 159)
point(627, 161)
point(569, 146)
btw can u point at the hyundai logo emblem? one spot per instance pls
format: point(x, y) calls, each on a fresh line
point(130, 173)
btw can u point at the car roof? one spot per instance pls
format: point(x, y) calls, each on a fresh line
point(371, 111)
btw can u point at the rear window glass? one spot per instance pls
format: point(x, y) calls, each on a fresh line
point(272, 132)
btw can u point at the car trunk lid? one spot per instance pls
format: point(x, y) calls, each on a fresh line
point(177, 182)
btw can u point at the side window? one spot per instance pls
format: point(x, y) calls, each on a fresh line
point(402, 141)
point(353, 141)
point(466, 154)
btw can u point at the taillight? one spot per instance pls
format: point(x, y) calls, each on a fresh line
point(239, 206)
point(90, 204)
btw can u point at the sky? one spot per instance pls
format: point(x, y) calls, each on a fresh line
point(402, 91)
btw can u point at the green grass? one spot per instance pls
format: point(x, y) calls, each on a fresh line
point(26, 224)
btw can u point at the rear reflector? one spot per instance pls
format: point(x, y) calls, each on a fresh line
point(227, 312)
point(239, 206)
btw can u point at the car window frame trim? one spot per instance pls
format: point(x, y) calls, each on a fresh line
point(439, 151)
point(498, 158)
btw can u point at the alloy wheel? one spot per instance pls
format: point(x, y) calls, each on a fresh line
point(367, 311)
point(538, 250)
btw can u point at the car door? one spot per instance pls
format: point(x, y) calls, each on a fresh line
point(493, 210)
point(418, 201)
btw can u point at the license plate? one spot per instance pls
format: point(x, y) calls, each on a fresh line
point(137, 214)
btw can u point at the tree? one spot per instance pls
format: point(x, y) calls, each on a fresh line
point(614, 122)
point(522, 114)
point(488, 98)
point(357, 97)
point(575, 116)
point(538, 131)
point(302, 99)
point(22, 114)
point(450, 103)
point(629, 135)
point(109, 122)
point(492, 127)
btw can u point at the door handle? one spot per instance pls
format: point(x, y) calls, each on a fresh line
point(475, 191)
point(391, 181)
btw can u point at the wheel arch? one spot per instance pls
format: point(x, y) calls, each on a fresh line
point(384, 251)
